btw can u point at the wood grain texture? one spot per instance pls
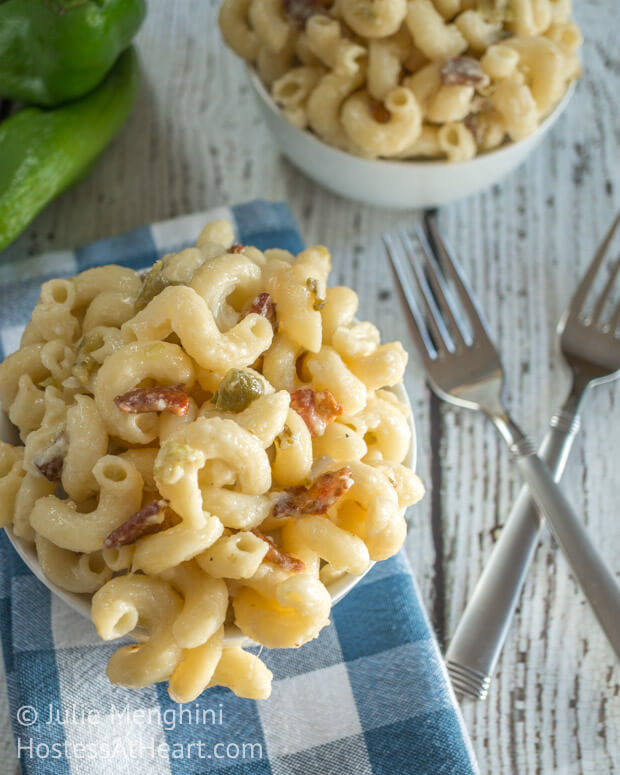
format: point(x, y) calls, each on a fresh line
point(195, 141)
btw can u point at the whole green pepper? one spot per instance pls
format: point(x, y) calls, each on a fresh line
point(53, 51)
point(42, 152)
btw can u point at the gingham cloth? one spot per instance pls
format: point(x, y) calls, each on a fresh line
point(370, 695)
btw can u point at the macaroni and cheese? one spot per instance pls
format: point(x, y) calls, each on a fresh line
point(409, 79)
point(212, 444)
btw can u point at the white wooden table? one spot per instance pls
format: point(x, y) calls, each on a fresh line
point(195, 141)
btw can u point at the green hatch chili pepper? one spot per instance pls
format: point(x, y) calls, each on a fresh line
point(42, 152)
point(237, 390)
point(53, 51)
point(154, 283)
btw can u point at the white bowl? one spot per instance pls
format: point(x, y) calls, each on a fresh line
point(396, 184)
point(233, 636)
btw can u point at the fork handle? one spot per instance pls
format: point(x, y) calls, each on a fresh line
point(596, 578)
point(479, 638)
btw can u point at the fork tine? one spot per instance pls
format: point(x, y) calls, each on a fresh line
point(438, 284)
point(434, 318)
point(465, 294)
point(583, 289)
point(420, 333)
point(602, 300)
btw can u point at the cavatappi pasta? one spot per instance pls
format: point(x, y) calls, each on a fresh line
point(211, 444)
point(409, 79)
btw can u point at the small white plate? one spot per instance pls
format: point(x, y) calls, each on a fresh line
point(233, 636)
point(392, 183)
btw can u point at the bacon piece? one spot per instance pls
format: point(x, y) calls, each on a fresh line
point(299, 11)
point(472, 122)
point(236, 248)
point(49, 462)
point(316, 408)
point(51, 469)
point(478, 120)
point(172, 399)
point(479, 104)
point(316, 499)
point(277, 556)
point(466, 71)
point(137, 525)
point(263, 305)
point(379, 112)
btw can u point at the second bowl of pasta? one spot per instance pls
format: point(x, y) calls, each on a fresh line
point(406, 104)
point(394, 183)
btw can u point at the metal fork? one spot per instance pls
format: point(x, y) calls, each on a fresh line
point(465, 370)
point(591, 349)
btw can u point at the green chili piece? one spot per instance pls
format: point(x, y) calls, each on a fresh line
point(237, 390)
point(313, 286)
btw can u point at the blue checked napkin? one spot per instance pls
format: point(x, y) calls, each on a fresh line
point(369, 696)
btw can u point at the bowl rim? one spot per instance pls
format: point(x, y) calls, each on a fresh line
point(400, 164)
point(81, 601)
